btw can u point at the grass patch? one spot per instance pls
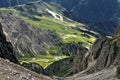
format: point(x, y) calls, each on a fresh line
point(43, 60)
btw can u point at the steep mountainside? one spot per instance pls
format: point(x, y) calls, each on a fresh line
point(27, 40)
point(10, 70)
point(6, 48)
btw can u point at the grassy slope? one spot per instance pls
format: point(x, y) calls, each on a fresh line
point(63, 28)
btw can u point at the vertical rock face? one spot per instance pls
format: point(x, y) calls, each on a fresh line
point(6, 48)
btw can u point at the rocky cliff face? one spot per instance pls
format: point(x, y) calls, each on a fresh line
point(27, 39)
point(6, 48)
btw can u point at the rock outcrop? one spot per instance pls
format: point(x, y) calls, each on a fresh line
point(6, 48)
point(11, 71)
point(34, 67)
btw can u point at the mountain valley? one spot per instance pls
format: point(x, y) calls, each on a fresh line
point(62, 39)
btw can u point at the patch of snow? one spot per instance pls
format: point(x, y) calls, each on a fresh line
point(5, 33)
point(67, 36)
point(55, 15)
point(58, 58)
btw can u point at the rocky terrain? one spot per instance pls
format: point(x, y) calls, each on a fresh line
point(102, 60)
point(11, 71)
point(6, 48)
point(24, 37)
point(40, 28)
